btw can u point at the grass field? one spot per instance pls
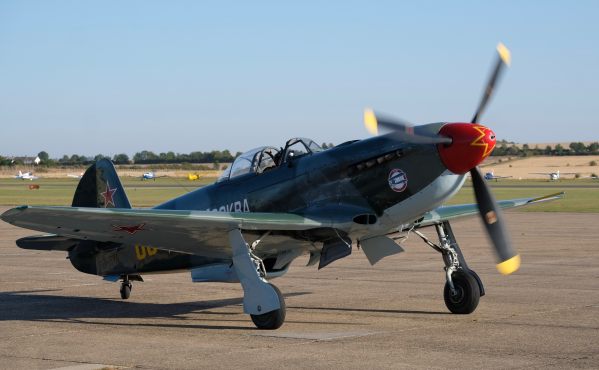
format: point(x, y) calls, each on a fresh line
point(581, 195)
point(61, 191)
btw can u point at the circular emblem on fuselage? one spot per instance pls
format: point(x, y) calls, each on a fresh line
point(398, 181)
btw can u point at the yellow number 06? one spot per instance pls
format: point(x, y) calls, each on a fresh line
point(142, 251)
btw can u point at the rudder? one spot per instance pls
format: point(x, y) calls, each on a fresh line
point(100, 187)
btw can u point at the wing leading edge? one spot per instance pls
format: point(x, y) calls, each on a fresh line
point(446, 213)
point(194, 232)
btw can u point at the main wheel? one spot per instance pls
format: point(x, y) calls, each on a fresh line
point(273, 319)
point(467, 293)
point(126, 290)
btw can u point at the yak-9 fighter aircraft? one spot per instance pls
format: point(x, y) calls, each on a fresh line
point(275, 204)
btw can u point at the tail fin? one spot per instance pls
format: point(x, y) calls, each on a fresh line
point(100, 187)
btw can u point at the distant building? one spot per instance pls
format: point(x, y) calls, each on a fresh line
point(26, 160)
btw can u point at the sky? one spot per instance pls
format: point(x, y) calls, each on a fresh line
point(83, 77)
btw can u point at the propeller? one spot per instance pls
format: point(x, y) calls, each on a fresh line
point(504, 59)
point(492, 217)
point(403, 130)
point(489, 210)
point(460, 154)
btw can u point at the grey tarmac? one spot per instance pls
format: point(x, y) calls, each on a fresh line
point(348, 315)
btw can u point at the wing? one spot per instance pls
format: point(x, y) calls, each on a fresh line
point(446, 213)
point(195, 232)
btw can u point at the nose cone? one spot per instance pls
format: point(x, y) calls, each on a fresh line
point(471, 144)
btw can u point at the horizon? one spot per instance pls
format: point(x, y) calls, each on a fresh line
point(532, 146)
point(110, 78)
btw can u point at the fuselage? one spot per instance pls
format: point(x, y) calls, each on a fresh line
point(381, 182)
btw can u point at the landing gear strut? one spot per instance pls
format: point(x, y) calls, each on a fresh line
point(126, 287)
point(463, 287)
point(261, 300)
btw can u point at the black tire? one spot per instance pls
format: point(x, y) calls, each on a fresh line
point(467, 294)
point(125, 291)
point(274, 319)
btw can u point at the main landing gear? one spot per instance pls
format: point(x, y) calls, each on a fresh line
point(261, 300)
point(463, 287)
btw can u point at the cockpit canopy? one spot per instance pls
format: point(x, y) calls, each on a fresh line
point(264, 158)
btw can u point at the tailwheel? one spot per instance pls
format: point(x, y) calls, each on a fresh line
point(463, 298)
point(126, 289)
point(273, 319)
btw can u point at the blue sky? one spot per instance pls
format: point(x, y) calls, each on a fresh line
point(122, 76)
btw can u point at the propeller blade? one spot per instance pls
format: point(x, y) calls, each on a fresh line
point(372, 123)
point(492, 217)
point(503, 60)
point(401, 129)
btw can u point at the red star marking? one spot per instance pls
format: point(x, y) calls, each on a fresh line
point(108, 195)
point(129, 229)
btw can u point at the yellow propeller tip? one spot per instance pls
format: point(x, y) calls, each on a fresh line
point(504, 54)
point(508, 266)
point(370, 122)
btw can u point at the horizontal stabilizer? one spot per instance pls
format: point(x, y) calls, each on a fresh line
point(48, 243)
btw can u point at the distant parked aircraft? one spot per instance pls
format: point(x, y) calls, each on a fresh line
point(491, 176)
point(26, 176)
point(150, 176)
point(193, 176)
point(553, 176)
point(75, 176)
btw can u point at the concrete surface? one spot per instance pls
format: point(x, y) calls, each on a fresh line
point(348, 315)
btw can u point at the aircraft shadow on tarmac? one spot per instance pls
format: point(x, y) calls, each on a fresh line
point(33, 306)
point(370, 310)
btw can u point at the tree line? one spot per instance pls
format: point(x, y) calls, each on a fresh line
point(503, 148)
point(215, 156)
point(143, 157)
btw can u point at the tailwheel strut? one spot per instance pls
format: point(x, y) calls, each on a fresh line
point(126, 287)
point(463, 287)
